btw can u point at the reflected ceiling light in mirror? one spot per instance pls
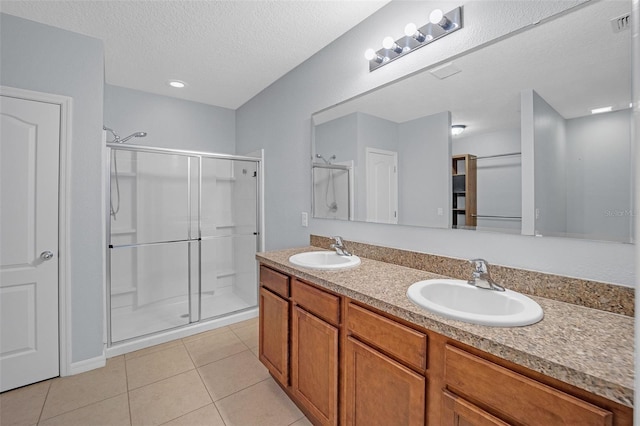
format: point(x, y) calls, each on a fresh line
point(457, 129)
point(177, 84)
point(440, 24)
point(601, 110)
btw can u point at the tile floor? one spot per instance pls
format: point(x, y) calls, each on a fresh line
point(213, 378)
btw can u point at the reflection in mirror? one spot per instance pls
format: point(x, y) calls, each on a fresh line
point(539, 162)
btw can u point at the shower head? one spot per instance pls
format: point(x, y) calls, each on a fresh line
point(333, 157)
point(135, 135)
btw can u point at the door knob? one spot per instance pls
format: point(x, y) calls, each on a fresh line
point(46, 255)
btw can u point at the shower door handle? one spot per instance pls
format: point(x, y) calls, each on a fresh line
point(46, 255)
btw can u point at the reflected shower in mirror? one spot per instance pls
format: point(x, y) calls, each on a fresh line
point(539, 161)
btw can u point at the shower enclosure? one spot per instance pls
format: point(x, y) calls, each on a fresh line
point(182, 238)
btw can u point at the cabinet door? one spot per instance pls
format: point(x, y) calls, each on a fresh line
point(381, 391)
point(314, 365)
point(459, 412)
point(274, 335)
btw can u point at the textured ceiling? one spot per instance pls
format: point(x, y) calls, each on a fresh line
point(226, 51)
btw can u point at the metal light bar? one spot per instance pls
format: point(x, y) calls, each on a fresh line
point(450, 22)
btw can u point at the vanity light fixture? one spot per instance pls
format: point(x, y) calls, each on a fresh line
point(457, 129)
point(601, 110)
point(440, 24)
point(177, 83)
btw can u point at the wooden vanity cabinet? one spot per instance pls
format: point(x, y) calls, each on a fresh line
point(516, 399)
point(274, 324)
point(381, 386)
point(343, 362)
point(314, 351)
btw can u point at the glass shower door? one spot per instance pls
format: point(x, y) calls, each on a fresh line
point(228, 226)
point(151, 249)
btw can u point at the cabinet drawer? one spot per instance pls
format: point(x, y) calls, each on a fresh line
point(316, 301)
point(457, 412)
point(391, 337)
point(274, 281)
point(514, 397)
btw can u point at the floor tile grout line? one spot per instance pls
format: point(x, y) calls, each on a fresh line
point(44, 402)
point(243, 389)
point(211, 397)
point(126, 382)
point(225, 357)
point(239, 390)
point(193, 337)
point(82, 407)
point(130, 358)
point(164, 378)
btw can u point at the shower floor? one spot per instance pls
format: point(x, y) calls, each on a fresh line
point(128, 324)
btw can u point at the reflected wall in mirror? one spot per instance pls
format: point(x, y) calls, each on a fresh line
point(542, 163)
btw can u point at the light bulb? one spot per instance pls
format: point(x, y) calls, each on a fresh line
point(388, 42)
point(435, 17)
point(410, 29)
point(369, 54)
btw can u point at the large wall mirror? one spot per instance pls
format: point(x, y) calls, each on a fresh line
point(533, 158)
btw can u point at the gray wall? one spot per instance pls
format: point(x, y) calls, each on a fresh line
point(169, 122)
point(281, 124)
point(550, 146)
point(424, 172)
point(46, 59)
point(337, 137)
point(598, 175)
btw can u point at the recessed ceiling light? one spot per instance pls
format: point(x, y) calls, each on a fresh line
point(601, 110)
point(177, 83)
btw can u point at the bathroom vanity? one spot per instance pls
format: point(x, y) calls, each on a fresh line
point(349, 348)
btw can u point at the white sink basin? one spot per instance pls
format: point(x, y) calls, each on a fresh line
point(458, 300)
point(325, 260)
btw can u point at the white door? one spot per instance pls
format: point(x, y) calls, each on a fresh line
point(29, 149)
point(382, 186)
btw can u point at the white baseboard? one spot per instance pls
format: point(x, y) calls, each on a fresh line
point(87, 364)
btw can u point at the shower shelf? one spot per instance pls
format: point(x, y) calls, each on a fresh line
point(226, 225)
point(122, 290)
point(225, 179)
point(123, 231)
point(226, 273)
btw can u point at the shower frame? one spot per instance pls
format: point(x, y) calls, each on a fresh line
point(191, 155)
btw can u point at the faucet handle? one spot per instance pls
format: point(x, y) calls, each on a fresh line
point(338, 240)
point(480, 265)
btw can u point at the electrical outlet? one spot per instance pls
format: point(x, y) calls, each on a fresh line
point(440, 211)
point(304, 219)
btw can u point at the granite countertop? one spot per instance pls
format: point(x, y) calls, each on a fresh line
point(585, 347)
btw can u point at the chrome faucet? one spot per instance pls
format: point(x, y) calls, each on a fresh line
point(339, 246)
point(481, 277)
